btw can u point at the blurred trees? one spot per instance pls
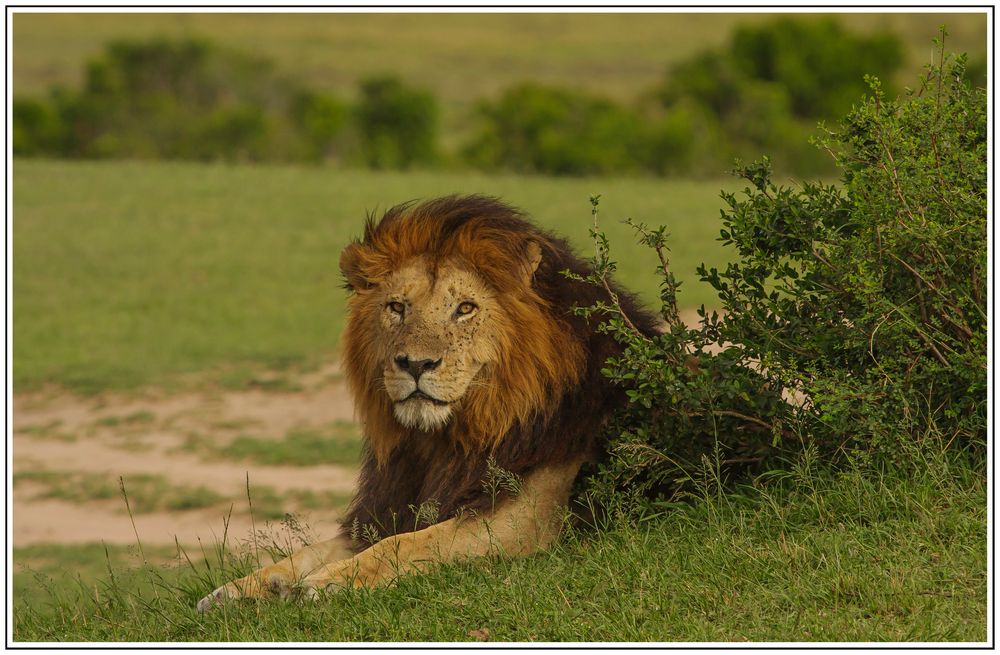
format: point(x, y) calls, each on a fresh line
point(534, 128)
point(767, 89)
point(191, 100)
point(166, 99)
point(397, 124)
point(763, 91)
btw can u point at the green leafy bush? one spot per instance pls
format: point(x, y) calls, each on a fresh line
point(322, 120)
point(819, 65)
point(854, 315)
point(767, 87)
point(179, 99)
point(535, 128)
point(397, 124)
point(38, 128)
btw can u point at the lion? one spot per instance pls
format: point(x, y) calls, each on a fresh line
point(465, 358)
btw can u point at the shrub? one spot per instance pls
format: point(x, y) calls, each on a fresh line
point(855, 316)
point(37, 127)
point(172, 99)
point(534, 128)
point(819, 64)
point(397, 124)
point(321, 119)
point(765, 90)
point(183, 99)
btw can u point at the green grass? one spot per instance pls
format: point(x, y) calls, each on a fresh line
point(48, 430)
point(807, 556)
point(267, 504)
point(146, 493)
point(342, 445)
point(54, 577)
point(246, 376)
point(339, 443)
point(139, 418)
point(130, 274)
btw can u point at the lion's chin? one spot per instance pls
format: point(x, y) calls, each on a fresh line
point(422, 414)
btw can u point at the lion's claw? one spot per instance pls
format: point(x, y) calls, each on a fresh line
point(213, 600)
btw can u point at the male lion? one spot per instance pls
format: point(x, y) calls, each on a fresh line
point(465, 358)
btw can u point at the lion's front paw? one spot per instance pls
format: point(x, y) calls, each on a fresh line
point(260, 584)
point(214, 599)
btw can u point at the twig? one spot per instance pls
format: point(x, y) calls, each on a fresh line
point(742, 460)
point(962, 328)
point(601, 259)
point(930, 344)
point(751, 419)
point(618, 307)
point(253, 527)
point(128, 507)
point(674, 317)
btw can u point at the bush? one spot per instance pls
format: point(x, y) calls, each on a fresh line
point(38, 128)
point(397, 124)
point(181, 99)
point(818, 64)
point(765, 90)
point(538, 129)
point(321, 118)
point(855, 316)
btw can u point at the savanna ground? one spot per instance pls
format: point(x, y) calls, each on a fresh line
point(176, 328)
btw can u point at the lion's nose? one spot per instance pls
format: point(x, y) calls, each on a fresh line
point(416, 367)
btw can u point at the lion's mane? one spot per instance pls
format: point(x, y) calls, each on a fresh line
point(542, 404)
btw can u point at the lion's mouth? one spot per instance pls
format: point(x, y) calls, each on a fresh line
point(420, 395)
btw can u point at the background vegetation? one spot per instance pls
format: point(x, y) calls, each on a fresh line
point(763, 90)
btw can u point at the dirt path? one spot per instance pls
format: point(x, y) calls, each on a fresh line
point(94, 440)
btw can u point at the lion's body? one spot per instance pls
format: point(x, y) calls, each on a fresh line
point(462, 351)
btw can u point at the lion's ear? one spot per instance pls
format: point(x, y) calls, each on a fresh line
point(532, 259)
point(350, 268)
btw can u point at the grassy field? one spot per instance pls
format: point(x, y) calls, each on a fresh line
point(128, 274)
point(801, 556)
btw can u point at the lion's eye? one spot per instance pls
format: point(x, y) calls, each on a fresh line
point(396, 307)
point(465, 308)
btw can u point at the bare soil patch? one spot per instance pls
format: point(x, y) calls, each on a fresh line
point(122, 435)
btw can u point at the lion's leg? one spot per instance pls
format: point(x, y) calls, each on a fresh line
point(518, 526)
point(282, 577)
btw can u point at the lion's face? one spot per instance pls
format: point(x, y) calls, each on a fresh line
point(447, 329)
point(437, 335)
